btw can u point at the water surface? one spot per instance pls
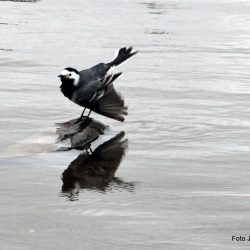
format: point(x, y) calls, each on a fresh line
point(188, 126)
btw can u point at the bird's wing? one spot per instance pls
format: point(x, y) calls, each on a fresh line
point(96, 72)
point(86, 91)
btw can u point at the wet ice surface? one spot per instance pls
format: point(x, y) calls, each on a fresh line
point(188, 125)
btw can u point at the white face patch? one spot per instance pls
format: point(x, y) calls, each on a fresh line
point(71, 75)
point(65, 73)
point(76, 78)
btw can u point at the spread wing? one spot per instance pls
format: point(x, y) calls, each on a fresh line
point(92, 74)
point(86, 91)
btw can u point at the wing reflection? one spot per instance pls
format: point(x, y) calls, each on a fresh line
point(96, 170)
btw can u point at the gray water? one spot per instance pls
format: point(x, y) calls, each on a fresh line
point(188, 126)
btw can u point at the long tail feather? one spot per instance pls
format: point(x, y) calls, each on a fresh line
point(123, 55)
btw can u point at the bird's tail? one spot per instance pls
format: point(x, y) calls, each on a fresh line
point(111, 104)
point(123, 55)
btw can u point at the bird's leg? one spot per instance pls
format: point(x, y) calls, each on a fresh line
point(89, 151)
point(86, 120)
point(89, 113)
point(82, 114)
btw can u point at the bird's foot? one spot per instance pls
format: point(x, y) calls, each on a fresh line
point(81, 119)
point(89, 151)
point(84, 121)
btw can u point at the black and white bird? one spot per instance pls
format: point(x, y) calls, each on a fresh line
point(93, 88)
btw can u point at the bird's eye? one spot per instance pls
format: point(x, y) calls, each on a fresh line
point(70, 74)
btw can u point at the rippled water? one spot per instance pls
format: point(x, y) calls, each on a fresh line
point(186, 172)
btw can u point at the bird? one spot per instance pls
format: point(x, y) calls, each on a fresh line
point(96, 170)
point(93, 88)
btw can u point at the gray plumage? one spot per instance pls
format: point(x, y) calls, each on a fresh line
point(93, 88)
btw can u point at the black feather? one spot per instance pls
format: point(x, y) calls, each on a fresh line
point(67, 87)
point(72, 70)
point(123, 55)
point(110, 104)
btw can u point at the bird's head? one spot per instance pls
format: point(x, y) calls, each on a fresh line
point(70, 74)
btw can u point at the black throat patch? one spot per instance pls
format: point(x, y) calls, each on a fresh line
point(67, 87)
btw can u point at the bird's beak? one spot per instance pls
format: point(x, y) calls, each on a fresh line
point(59, 75)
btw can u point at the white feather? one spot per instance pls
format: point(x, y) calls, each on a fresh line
point(76, 78)
point(65, 72)
point(110, 71)
point(132, 51)
point(116, 54)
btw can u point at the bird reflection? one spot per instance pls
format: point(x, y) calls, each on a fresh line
point(95, 170)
